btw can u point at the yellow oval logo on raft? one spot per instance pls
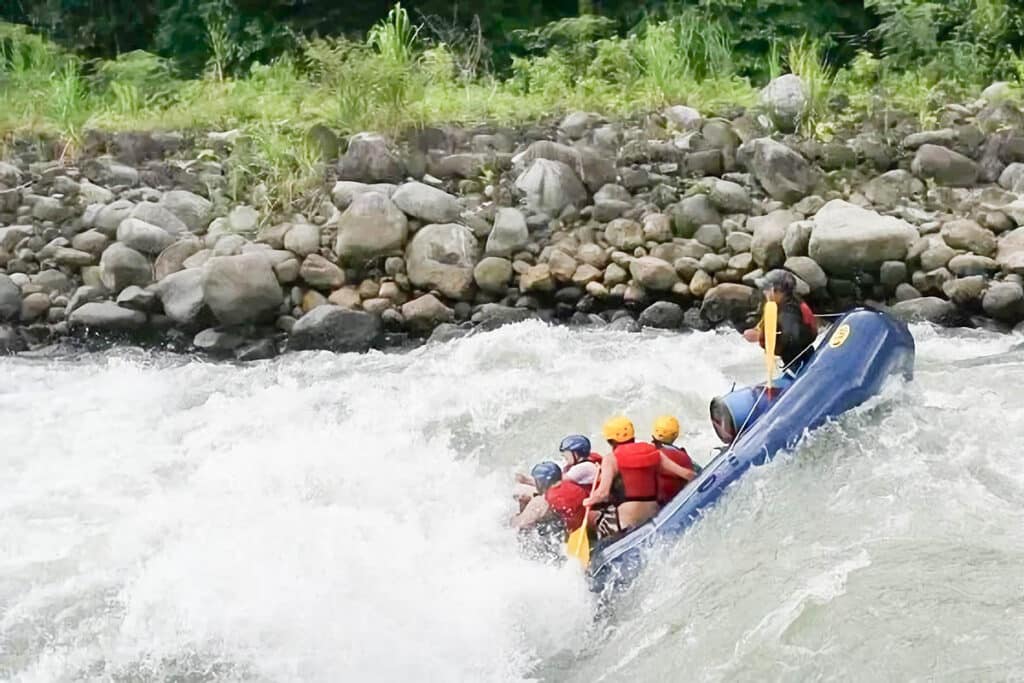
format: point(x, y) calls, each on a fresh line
point(840, 336)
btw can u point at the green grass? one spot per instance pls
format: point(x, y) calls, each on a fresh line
point(394, 81)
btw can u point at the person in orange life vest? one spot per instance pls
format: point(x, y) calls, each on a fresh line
point(634, 467)
point(663, 436)
point(798, 328)
point(580, 466)
point(558, 499)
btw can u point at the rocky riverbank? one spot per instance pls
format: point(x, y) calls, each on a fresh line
point(661, 222)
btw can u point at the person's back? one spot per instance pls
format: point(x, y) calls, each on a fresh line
point(634, 467)
point(798, 329)
point(663, 436)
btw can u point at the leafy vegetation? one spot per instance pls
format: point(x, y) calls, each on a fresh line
point(274, 73)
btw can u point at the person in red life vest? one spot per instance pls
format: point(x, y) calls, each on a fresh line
point(557, 500)
point(798, 328)
point(633, 468)
point(663, 436)
point(580, 465)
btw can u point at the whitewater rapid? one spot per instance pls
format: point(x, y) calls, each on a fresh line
point(328, 517)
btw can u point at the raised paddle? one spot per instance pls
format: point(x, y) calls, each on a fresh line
point(578, 545)
point(771, 320)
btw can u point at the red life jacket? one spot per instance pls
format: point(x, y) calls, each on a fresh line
point(808, 316)
point(639, 464)
point(566, 499)
point(669, 484)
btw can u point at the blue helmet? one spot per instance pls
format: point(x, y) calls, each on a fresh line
point(546, 474)
point(577, 444)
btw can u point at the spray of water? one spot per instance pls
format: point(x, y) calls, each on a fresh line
point(323, 517)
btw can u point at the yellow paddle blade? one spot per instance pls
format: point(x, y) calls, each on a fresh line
point(578, 545)
point(771, 321)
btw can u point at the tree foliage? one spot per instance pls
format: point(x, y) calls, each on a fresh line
point(228, 36)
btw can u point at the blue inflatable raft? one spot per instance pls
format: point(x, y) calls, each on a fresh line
point(852, 362)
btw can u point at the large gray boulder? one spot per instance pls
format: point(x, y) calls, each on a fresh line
point(110, 173)
point(966, 265)
point(847, 238)
point(345, 191)
point(798, 235)
point(653, 273)
point(194, 211)
point(968, 235)
point(892, 188)
point(426, 203)
point(944, 166)
point(663, 315)
point(106, 315)
point(730, 197)
point(10, 175)
point(551, 186)
point(442, 257)
point(1010, 251)
point(785, 99)
point(782, 172)
point(181, 293)
point(110, 216)
point(333, 328)
point(122, 266)
point(369, 159)
point(729, 302)
point(493, 274)
point(241, 289)
point(371, 227)
point(492, 316)
point(624, 234)
point(172, 259)
point(1004, 301)
point(302, 239)
point(160, 216)
point(320, 273)
point(692, 212)
point(10, 299)
point(807, 270)
point(424, 313)
point(769, 234)
point(925, 309)
point(509, 234)
point(595, 170)
point(143, 237)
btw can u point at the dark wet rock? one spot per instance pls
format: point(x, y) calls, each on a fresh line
point(333, 328)
point(662, 315)
point(107, 316)
point(493, 316)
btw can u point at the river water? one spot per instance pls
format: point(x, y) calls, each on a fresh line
point(327, 517)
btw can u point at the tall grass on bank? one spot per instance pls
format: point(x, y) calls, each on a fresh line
point(399, 77)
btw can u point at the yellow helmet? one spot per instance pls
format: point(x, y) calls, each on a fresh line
point(666, 429)
point(618, 429)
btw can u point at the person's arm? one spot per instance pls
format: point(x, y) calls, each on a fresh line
point(525, 479)
point(755, 333)
point(609, 470)
point(533, 513)
point(670, 467)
